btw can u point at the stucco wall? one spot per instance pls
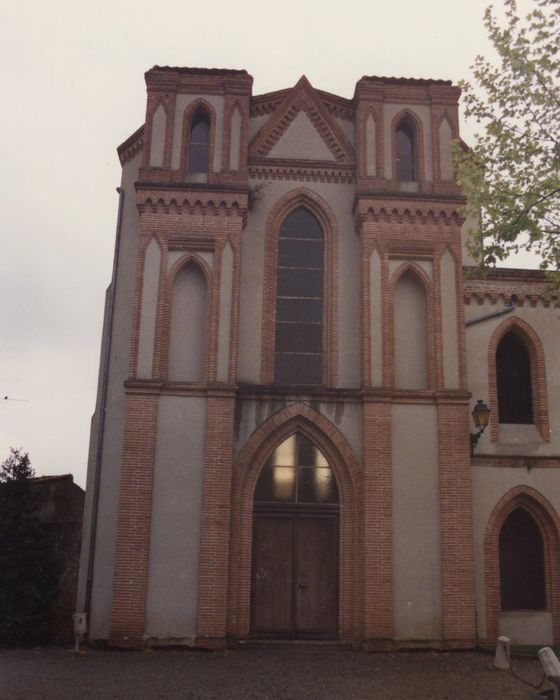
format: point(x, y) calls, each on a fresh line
point(100, 619)
point(188, 325)
point(175, 528)
point(301, 139)
point(416, 523)
point(152, 262)
point(411, 333)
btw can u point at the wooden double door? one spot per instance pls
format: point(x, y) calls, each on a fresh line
point(295, 573)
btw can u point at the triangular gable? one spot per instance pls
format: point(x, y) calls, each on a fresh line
point(302, 98)
point(301, 139)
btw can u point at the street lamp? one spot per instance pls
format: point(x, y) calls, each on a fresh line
point(480, 415)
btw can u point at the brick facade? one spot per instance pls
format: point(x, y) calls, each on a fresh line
point(377, 232)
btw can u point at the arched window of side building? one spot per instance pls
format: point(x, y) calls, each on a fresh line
point(299, 300)
point(513, 377)
point(522, 579)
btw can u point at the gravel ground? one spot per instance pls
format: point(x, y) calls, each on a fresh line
point(281, 674)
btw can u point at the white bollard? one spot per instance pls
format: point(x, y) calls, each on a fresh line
point(80, 628)
point(551, 668)
point(501, 657)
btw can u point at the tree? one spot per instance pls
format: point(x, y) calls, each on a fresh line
point(511, 176)
point(28, 571)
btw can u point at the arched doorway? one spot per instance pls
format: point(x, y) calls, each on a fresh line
point(294, 587)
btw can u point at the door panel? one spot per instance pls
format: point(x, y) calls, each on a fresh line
point(316, 576)
point(295, 575)
point(272, 575)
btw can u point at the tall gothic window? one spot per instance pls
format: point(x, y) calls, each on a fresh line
point(513, 374)
point(299, 300)
point(406, 167)
point(199, 144)
point(521, 563)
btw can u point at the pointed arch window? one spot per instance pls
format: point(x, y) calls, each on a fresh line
point(405, 147)
point(522, 578)
point(297, 472)
point(299, 300)
point(199, 144)
point(513, 376)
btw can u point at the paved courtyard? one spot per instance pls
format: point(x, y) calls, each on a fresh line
point(281, 674)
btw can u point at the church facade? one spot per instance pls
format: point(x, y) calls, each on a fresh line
point(293, 345)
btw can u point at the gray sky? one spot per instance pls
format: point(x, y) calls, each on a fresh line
point(72, 89)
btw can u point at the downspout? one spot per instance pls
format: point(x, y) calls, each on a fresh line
point(506, 310)
point(102, 409)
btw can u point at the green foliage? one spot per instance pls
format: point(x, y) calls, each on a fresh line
point(511, 176)
point(28, 571)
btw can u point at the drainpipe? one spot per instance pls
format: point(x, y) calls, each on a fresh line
point(506, 310)
point(102, 408)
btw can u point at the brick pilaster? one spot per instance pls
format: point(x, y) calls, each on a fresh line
point(216, 517)
point(378, 522)
point(133, 525)
point(458, 604)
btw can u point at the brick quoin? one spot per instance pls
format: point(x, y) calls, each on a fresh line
point(133, 529)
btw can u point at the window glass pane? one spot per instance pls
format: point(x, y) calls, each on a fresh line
point(521, 563)
point(298, 369)
point(299, 305)
point(299, 337)
point(308, 455)
point(316, 485)
point(198, 148)
point(405, 155)
point(293, 252)
point(198, 158)
point(310, 310)
point(301, 223)
point(299, 283)
point(285, 454)
point(297, 470)
point(276, 484)
point(513, 375)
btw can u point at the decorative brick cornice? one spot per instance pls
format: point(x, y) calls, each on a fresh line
point(528, 462)
point(408, 90)
point(338, 107)
point(132, 146)
point(418, 211)
point(508, 286)
point(303, 97)
point(187, 199)
point(198, 81)
point(302, 171)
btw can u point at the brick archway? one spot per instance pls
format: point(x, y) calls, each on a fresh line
point(548, 522)
point(296, 417)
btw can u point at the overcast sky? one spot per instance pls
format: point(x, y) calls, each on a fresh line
point(72, 89)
